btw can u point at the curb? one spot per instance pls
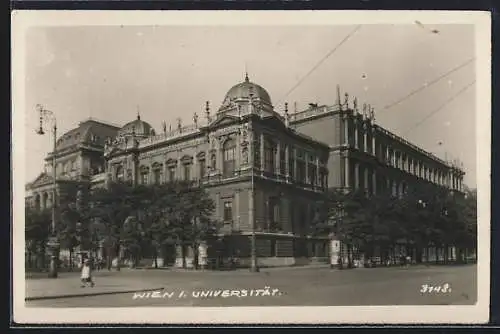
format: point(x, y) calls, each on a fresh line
point(74, 295)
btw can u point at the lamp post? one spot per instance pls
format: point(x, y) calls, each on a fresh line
point(422, 204)
point(53, 242)
point(254, 265)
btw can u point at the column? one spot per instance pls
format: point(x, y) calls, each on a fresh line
point(306, 158)
point(134, 171)
point(238, 151)
point(287, 160)
point(366, 178)
point(237, 209)
point(374, 182)
point(165, 172)
point(318, 174)
point(347, 181)
point(346, 131)
point(151, 175)
point(262, 161)
point(356, 134)
point(179, 164)
point(295, 163)
point(374, 144)
point(277, 158)
point(365, 140)
point(387, 155)
point(194, 173)
point(356, 175)
point(250, 148)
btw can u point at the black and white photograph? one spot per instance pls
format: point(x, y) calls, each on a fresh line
point(245, 167)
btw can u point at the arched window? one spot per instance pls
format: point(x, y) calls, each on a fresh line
point(229, 157)
point(46, 200)
point(119, 174)
point(172, 166)
point(157, 173)
point(186, 171)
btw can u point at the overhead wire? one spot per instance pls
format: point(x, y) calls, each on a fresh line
point(442, 76)
point(435, 111)
point(321, 61)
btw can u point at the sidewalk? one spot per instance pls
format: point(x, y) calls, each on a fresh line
point(66, 286)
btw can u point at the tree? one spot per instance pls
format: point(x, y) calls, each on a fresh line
point(462, 213)
point(198, 225)
point(131, 236)
point(110, 207)
point(346, 215)
point(37, 230)
point(74, 223)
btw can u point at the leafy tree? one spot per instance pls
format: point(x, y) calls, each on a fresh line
point(131, 236)
point(178, 212)
point(110, 207)
point(346, 215)
point(37, 230)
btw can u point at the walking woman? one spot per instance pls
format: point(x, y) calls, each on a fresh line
point(87, 275)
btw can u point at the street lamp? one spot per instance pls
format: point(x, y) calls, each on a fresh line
point(53, 242)
point(254, 265)
point(422, 205)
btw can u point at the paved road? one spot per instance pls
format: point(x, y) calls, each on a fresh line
point(293, 287)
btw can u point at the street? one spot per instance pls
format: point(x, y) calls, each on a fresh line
point(287, 287)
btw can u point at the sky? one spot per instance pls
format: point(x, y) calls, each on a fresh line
point(168, 72)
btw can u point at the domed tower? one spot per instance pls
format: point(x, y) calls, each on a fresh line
point(237, 100)
point(137, 127)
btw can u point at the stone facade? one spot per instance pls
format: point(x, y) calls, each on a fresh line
point(253, 165)
point(78, 159)
point(365, 155)
point(262, 169)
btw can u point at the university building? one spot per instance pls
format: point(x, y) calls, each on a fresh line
point(264, 169)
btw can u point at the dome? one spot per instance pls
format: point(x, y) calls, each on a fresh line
point(244, 89)
point(137, 126)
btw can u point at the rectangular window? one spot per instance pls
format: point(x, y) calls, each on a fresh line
point(229, 161)
point(269, 156)
point(312, 174)
point(144, 178)
point(301, 171)
point(187, 172)
point(171, 174)
point(291, 168)
point(228, 211)
point(282, 162)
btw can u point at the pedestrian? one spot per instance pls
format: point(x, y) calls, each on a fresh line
point(408, 260)
point(86, 276)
